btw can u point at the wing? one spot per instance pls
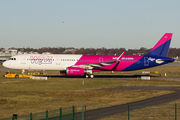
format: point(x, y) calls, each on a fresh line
point(96, 65)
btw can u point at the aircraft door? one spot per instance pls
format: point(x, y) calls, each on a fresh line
point(23, 59)
point(100, 60)
point(146, 61)
point(58, 60)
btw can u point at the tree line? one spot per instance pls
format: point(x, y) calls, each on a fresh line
point(173, 52)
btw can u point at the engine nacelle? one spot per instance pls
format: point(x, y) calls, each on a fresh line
point(74, 71)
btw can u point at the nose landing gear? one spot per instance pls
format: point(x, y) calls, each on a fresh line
point(23, 71)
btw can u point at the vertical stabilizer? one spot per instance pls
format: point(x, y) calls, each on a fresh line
point(162, 47)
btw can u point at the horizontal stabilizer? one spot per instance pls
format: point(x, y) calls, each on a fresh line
point(168, 60)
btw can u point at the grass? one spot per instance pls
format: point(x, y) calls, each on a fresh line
point(159, 112)
point(23, 96)
point(165, 112)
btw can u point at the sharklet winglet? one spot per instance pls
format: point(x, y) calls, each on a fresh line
point(118, 59)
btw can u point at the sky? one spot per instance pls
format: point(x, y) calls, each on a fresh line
point(129, 24)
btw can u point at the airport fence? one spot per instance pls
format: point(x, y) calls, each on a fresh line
point(120, 112)
point(137, 112)
point(68, 113)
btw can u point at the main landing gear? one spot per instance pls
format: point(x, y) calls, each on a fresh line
point(23, 71)
point(89, 75)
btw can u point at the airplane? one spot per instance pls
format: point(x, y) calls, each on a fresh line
point(77, 64)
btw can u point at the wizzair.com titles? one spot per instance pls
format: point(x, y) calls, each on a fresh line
point(127, 58)
point(124, 58)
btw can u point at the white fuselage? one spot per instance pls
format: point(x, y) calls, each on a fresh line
point(41, 62)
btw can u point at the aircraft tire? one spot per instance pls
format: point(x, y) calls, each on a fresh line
point(91, 75)
point(86, 75)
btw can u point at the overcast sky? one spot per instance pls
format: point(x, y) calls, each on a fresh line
point(126, 24)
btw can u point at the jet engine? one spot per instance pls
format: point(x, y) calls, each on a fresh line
point(73, 71)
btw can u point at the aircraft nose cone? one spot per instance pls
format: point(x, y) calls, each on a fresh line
point(5, 64)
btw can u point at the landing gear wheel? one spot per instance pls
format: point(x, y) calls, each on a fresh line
point(86, 75)
point(91, 76)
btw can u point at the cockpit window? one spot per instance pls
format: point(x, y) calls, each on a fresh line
point(12, 59)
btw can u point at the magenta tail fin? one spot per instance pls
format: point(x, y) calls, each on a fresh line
point(162, 47)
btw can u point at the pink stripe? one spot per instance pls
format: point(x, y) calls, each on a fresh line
point(90, 59)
